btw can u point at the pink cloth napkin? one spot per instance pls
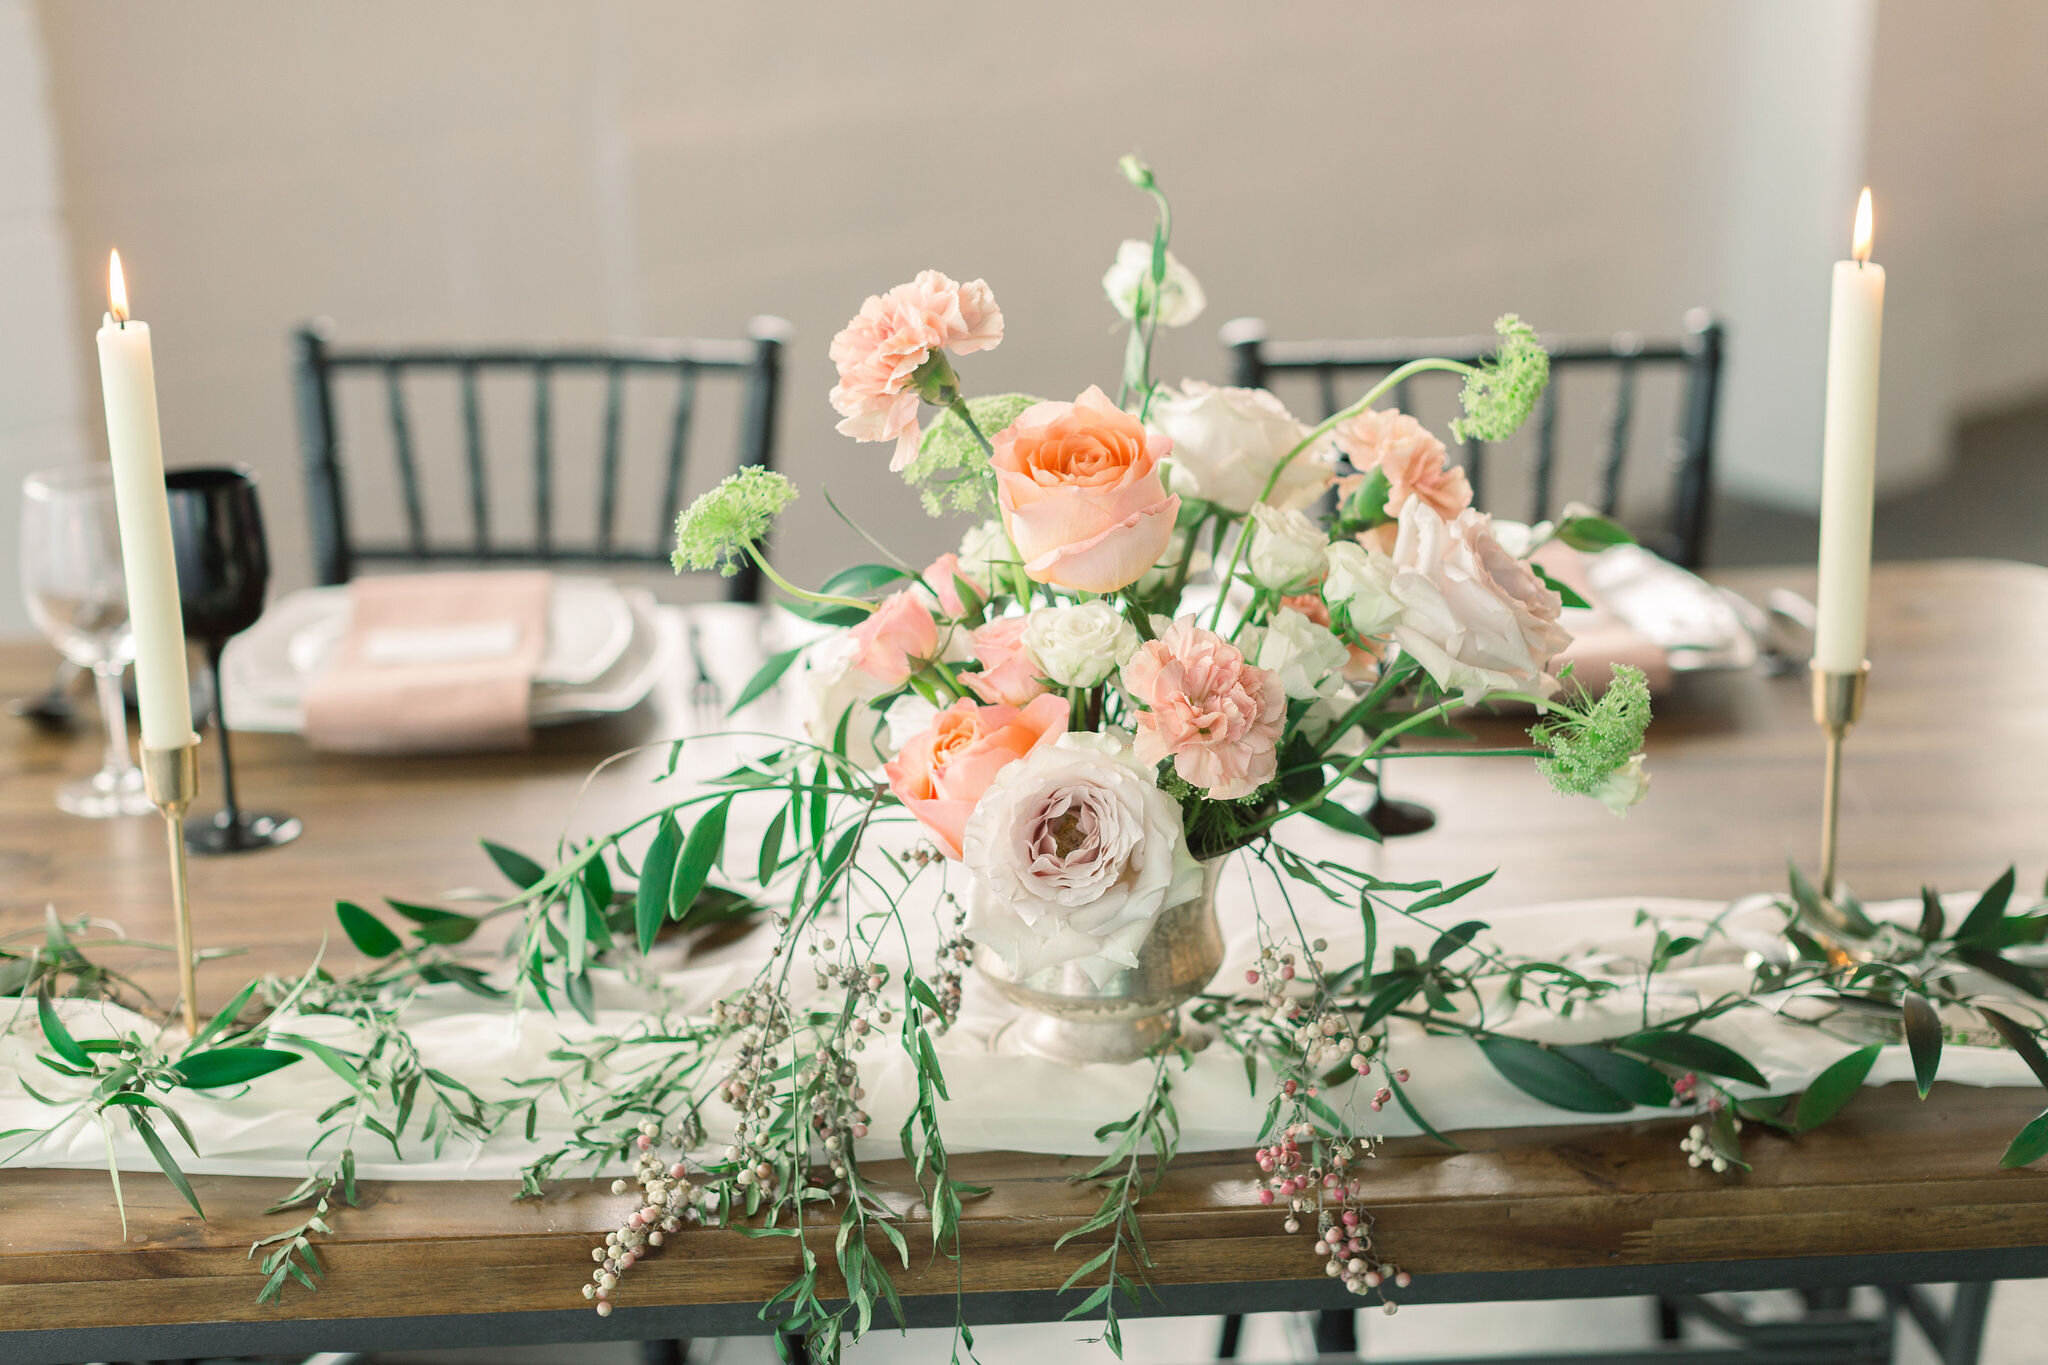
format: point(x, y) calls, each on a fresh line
point(433, 663)
point(1600, 639)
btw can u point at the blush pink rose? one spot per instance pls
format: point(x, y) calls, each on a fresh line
point(1010, 673)
point(1217, 716)
point(1414, 461)
point(942, 772)
point(939, 575)
point(889, 340)
point(1476, 618)
point(1081, 494)
point(894, 639)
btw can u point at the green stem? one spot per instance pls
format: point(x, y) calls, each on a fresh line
point(1353, 764)
point(958, 407)
point(827, 599)
point(1140, 621)
point(1328, 424)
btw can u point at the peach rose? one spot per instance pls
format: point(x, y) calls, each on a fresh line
point(1414, 461)
point(939, 575)
point(1010, 673)
point(942, 772)
point(881, 350)
point(1217, 716)
point(1081, 494)
point(895, 637)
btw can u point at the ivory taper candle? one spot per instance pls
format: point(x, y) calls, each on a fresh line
point(1849, 455)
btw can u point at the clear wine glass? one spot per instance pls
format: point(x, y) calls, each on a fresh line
point(71, 579)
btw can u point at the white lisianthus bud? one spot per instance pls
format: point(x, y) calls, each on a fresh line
point(1308, 658)
point(1181, 300)
point(1288, 551)
point(1079, 646)
point(1623, 787)
point(1360, 581)
point(985, 554)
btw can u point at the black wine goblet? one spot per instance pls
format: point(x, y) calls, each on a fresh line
point(223, 570)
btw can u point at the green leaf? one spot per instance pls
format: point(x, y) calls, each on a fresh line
point(1591, 533)
point(2020, 1039)
point(365, 930)
point(1562, 589)
point(1415, 1115)
point(1637, 1081)
point(824, 613)
point(1932, 919)
point(1549, 1077)
point(436, 925)
point(60, 1037)
point(1452, 940)
point(836, 860)
point(657, 873)
point(859, 580)
point(1694, 1053)
point(1449, 894)
point(2028, 1147)
point(524, 872)
point(230, 1066)
point(1727, 1143)
point(134, 1099)
point(1980, 926)
point(765, 677)
point(703, 848)
point(771, 847)
point(147, 1131)
point(227, 1016)
point(334, 1061)
point(1847, 915)
point(1341, 818)
point(1834, 1088)
point(1923, 1040)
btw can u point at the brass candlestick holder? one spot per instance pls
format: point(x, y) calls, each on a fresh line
point(1837, 706)
point(171, 777)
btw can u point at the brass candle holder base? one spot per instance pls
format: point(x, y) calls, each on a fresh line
point(1837, 706)
point(171, 777)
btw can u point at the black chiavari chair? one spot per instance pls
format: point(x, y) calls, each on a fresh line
point(754, 363)
point(1341, 370)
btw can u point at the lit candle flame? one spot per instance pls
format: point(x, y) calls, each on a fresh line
point(1862, 240)
point(117, 288)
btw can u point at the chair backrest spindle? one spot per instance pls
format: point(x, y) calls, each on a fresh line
point(754, 363)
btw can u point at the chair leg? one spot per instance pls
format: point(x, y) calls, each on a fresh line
point(1337, 1332)
point(1670, 1322)
point(1966, 1319)
point(1226, 1340)
point(664, 1352)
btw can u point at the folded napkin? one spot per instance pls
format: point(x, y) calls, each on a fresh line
point(1600, 639)
point(433, 663)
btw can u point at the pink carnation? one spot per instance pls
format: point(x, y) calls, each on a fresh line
point(1009, 675)
point(896, 639)
point(894, 334)
point(1215, 715)
point(1413, 460)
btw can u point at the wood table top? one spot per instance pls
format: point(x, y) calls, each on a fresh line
point(1944, 784)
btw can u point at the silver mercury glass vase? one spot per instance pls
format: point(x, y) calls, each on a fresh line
point(1068, 1018)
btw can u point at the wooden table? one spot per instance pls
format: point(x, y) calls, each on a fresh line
point(1945, 782)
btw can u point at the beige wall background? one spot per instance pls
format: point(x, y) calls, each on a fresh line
point(472, 170)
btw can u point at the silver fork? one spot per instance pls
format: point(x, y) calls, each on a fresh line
point(707, 699)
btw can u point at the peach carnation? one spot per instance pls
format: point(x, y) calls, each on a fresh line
point(942, 772)
point(881, 350)
point(1217, 716)
point(1414, 461)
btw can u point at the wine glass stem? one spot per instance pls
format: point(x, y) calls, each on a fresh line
point(106, 679)
point(231, 811)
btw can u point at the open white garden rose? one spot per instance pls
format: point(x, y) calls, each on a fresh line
point(1360, 580)
point(1075, 851)
point(1081, 645)
point(1309, 659)
point(1288, 551)
point(830, 685)
point(1230, 440)
point(1477, 618)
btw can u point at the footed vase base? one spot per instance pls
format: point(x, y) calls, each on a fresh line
point(1074, 1043)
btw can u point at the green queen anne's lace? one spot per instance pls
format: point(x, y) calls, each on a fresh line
point(715, 530)
point(1500, 395)
point(1589, 745)
point(951, 470)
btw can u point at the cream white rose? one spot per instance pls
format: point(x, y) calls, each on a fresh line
point(1181, 300)
point(1475, 616)
point(828, 686)
point(986, 556)
point(1230, 440)
point(1308, 658)
point(1360, 582)
point(1080, 646)
point(1288, 551)
point(1074, 851)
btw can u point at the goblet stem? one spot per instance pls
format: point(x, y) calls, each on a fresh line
point(119, 762)
point(231, 810)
